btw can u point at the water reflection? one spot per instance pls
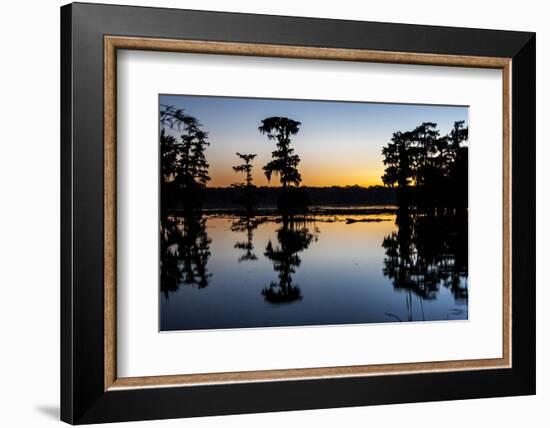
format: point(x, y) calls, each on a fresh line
point(185, 250)
point(428, 251)
point(380, 266)
point(246, 224)
point(293, 237)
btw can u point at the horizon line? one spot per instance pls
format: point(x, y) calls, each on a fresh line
point(304, 186)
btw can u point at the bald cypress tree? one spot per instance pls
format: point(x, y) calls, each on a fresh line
point(428, 170)
point(284, 161)
point(184, 166)
point(246, 192)
point(245, 167)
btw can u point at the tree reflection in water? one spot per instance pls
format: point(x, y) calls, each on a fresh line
point(246, 224)
point(185, 250)
point(426, 252)
point(293, 237)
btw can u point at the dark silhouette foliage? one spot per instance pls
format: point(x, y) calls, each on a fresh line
point(185, 250)
point(428, 170)
point(285, 161)
point(293, 200)
point(246, 193)
point(428, 252)
point(184, 167)
point(267, 197)
point(246, 224)
point(245, 167)
point(293, 237)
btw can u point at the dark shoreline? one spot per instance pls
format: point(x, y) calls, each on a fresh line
point(312, 211)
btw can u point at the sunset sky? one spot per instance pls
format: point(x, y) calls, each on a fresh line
point(339, 143)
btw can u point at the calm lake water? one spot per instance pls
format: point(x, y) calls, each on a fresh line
point(230, 271)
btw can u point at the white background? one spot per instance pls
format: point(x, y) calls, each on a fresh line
point(29, 219)
point(142, 351)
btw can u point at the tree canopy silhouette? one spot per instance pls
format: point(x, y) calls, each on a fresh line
point(246, 167)
point(285, 161)
point(247, 195)
point(183, 161)
point(428, 170)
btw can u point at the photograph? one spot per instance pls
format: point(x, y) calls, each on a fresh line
point(287, 212)
point(277, 209)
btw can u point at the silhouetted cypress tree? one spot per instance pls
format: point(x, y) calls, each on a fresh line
point(184, 167)
point(429, 171)
point(285, 161)
point(246, 167)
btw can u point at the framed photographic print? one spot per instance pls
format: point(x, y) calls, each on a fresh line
point(265, 213)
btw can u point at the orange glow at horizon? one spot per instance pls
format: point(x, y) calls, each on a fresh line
point(311, 177)
point(318, 172)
